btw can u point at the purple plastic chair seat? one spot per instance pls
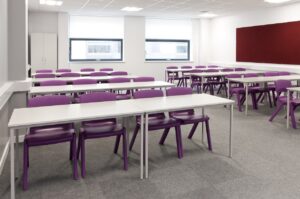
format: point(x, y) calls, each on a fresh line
point(156, 123)
point(53, 83)
point(70, 74)
point(44, 71)
point(99, 122)
point(190, 119)
point(87, 69)
point(94, 74)
point(49, 136)
point(44, 75)
point(144, 79)
point(63, 70)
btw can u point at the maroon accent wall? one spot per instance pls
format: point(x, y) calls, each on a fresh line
point(275, 43)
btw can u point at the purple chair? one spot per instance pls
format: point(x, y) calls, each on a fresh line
point(188, 116)
point(94, 74)
point(100, 129)
point(87, 70)
point(240, 69)
point(185, 76)
point(70, 74)
point(63, 70)
point(227, 70)
point(50, 134)
point(212, 82)
point(200, 66)
point(120, 94)
point(281, 88)
point(196, 81)
point(239, 91)
point(44, 71)
point(157, 121)
point(55, 82)
point(212, 66)
point(45, 75)
point(172, 76)
point(115, 73)
point(283, 73)
point(84, 81)
point(144, 79)
point(106, 69)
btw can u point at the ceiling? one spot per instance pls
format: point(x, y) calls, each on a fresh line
point(154, 8)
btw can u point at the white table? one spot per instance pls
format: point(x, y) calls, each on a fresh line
point(203, 75)
point(58, 74)
point(71, 79)
point(253, 80)
point(289, 90)
point(38, 90)
point(166, 104)
point(32, 117)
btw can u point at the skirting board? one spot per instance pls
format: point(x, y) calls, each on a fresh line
point(6, 151)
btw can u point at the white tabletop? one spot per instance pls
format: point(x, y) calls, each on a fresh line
point(265, 79)
point(98, 87)
point(58, 74)
point(47, 115)
point(203, 74)
point(190, 69)
point(163, 104)
point(70, 79)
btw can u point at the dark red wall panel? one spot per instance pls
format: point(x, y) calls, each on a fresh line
point(275, 43)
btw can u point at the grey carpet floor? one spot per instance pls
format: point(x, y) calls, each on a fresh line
point(265, 165)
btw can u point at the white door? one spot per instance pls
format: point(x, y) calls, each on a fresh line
point(37, 50)
point(50, 50)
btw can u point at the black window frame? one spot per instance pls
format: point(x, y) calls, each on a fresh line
point(93, 39)
point(171, 40)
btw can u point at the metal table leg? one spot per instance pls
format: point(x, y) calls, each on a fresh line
point(230, 130)
point(12, 165)
point(146, 147)
point(288, 110)
point(142, 148)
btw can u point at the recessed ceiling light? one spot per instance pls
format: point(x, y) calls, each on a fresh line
point(131, 9)
point(51, 2)
point(208, 15)
point(277, 1)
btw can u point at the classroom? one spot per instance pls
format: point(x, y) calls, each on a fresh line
point(150, 99)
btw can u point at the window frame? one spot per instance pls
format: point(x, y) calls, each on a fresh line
point(171, 40)
point(93, 39)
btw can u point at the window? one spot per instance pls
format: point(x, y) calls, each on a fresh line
point(167, 50)
point(96, 49)
point(96, 38)
point(168, 39)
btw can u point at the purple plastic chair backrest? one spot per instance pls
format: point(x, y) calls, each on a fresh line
point(270, 74)
point(172, 67)
point(119, 80)
point(106, 69)
point(147, 94)
point(70, 75)
point(240, 69)
point(212, 66)
point(44, 71)
point(53, 83)
point(250, 75)
point(50, 100)
point(63, 70)
point(196, 71)
point(234, 76)
point(119, 73)
point(97, 97)
point(179, 91)
point(186, 67)
point(144, 79)
point(282, 85)
point(99, 74)
point(44, 75)
point(200, 66)
point(212, 70)
point(84, 81)
point(282, 73)
point(87, 70)
point(227, 70)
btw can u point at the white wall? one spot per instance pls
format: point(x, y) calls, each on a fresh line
point(134, 49)
point(3, 41)
point(223, 34)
